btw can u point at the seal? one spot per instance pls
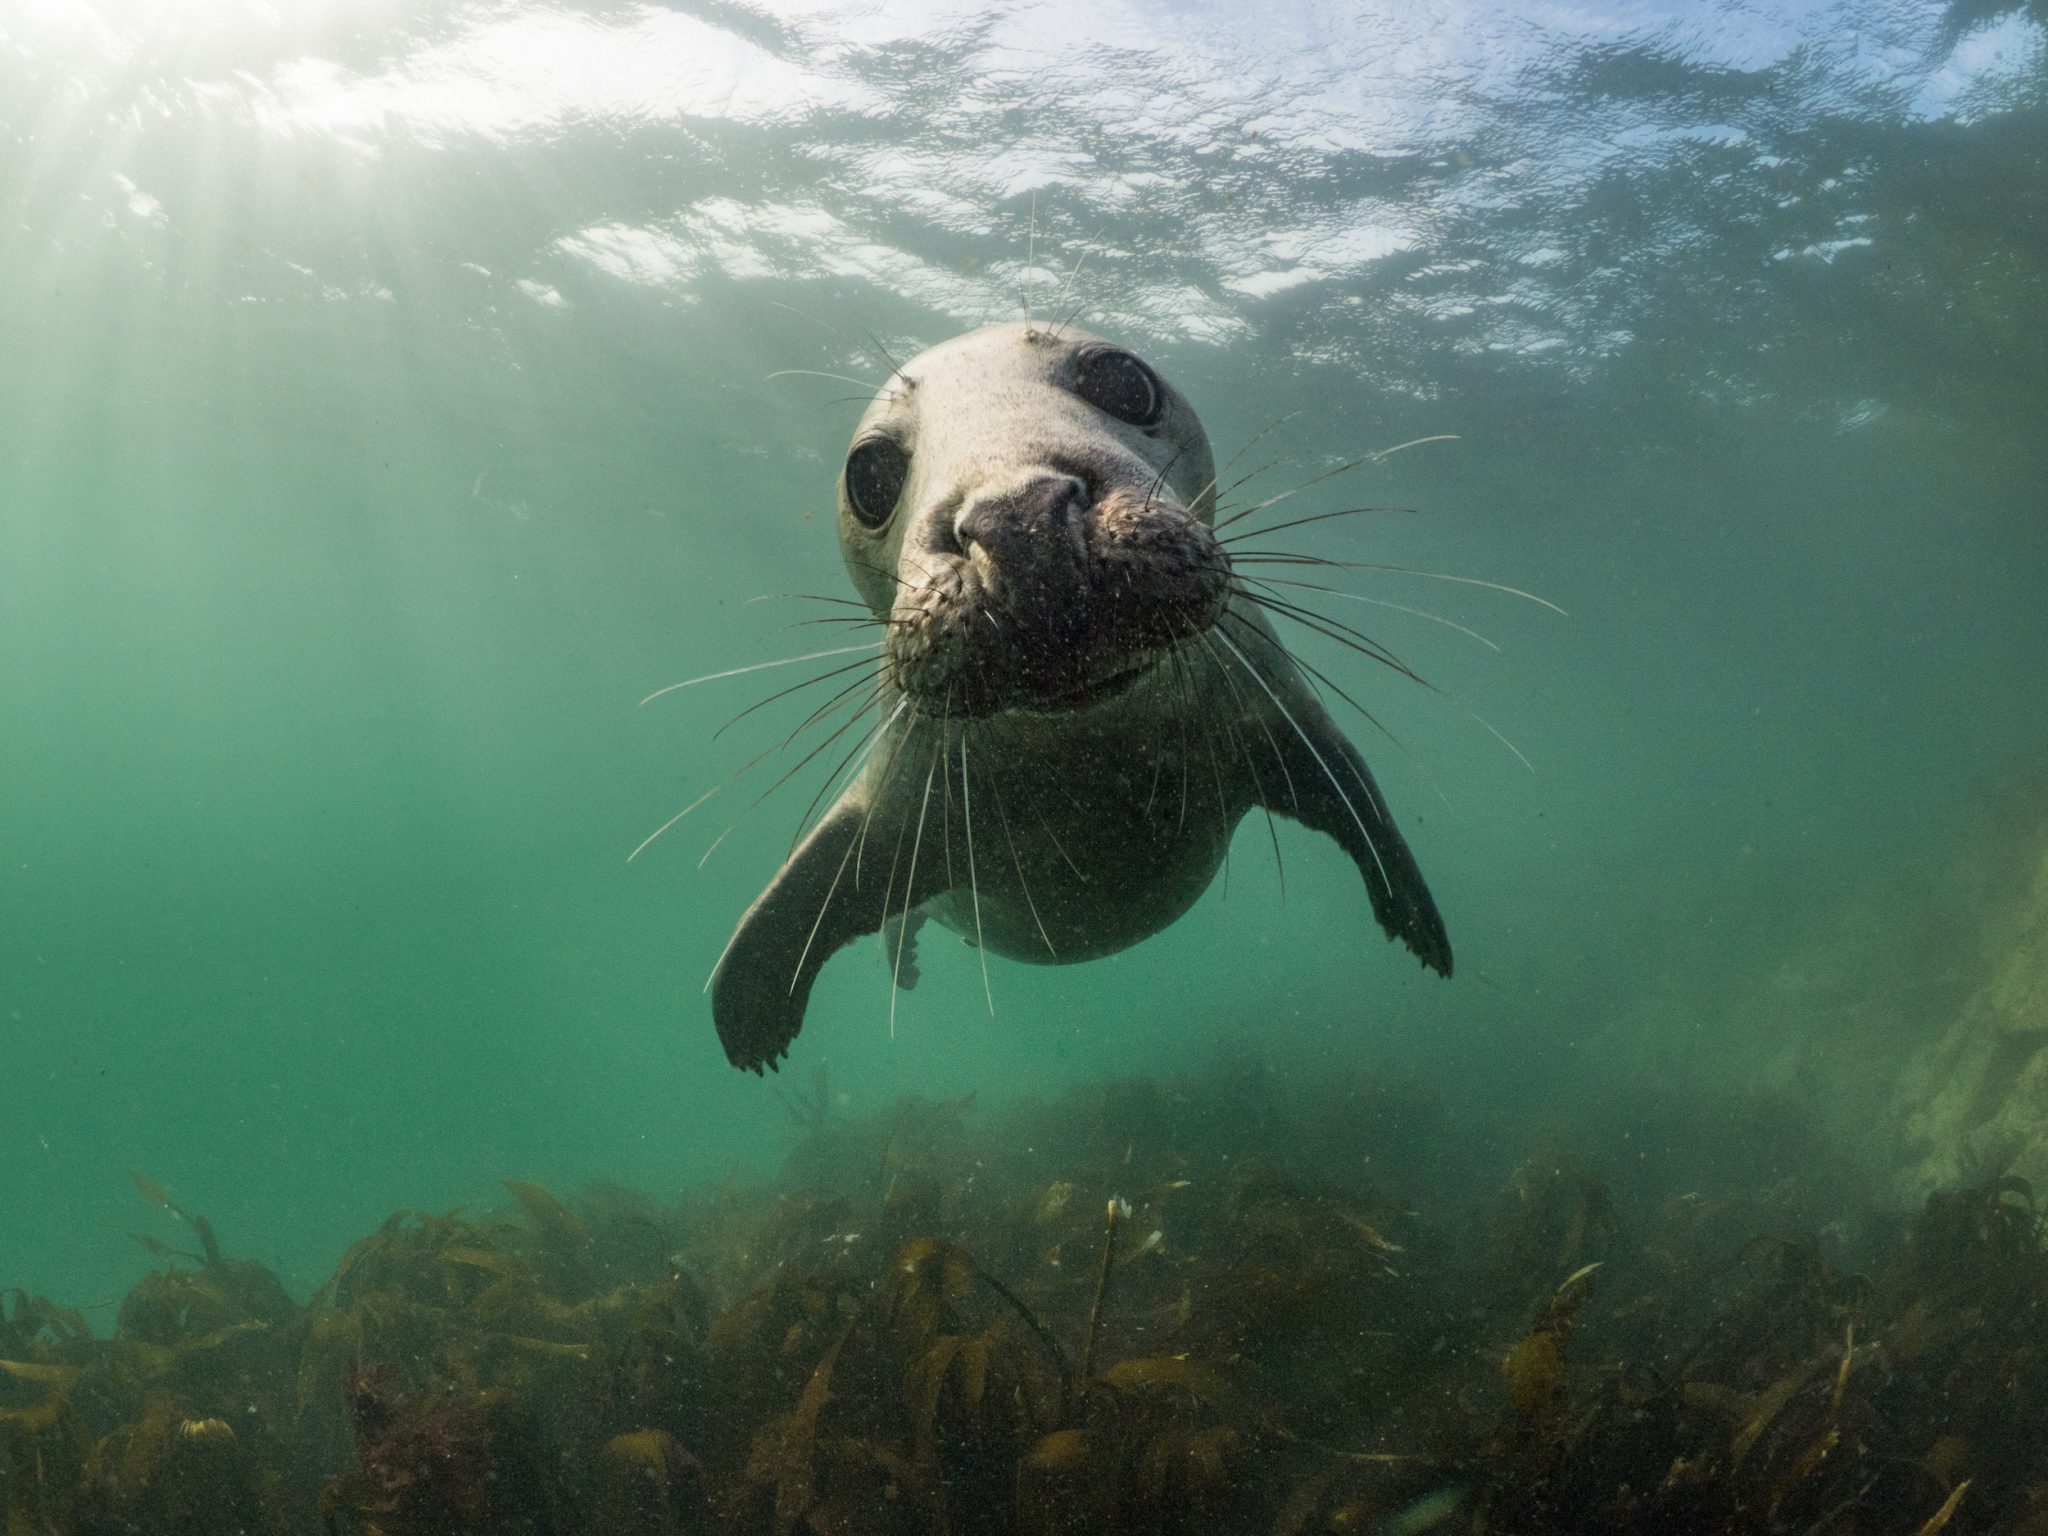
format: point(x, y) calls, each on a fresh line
point(1077, 697)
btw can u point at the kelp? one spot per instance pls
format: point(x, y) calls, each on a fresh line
point(1222, 1303)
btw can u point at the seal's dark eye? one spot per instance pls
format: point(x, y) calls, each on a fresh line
point(875, 472)
point(1117, 383)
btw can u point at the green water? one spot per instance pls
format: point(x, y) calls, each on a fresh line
point(386, 407)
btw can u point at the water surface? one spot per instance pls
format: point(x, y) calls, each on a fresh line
point(388, 406)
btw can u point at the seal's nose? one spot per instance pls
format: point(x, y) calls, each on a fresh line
point(1008, 522)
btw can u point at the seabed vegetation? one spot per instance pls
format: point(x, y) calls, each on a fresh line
point(1229, 1303)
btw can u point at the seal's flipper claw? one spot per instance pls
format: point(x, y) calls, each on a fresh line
point(899, 947)
point(823, 899)
point(1333, 791)
point(763, 981)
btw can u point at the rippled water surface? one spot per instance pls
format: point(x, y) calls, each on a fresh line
point(392, 395)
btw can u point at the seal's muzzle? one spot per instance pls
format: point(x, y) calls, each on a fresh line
point(1053, 598)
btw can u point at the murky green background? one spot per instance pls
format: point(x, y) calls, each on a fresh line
point(385, 407)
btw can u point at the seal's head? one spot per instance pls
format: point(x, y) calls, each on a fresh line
point(1030, 510)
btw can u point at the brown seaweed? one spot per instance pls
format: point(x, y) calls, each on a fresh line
point(928, 1324)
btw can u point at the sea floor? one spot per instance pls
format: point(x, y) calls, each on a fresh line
point(1236, 1301)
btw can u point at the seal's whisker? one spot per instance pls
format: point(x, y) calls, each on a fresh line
point(1497, 736)
point(1321, 679)
point(783, 693)
point(808, 597)
point(762, 666)
point(1017, 863)
point(1180, 716)
point(1287, 778)
point(973, 879)
point(1292, 491)
point(1337, 630)
point(1217, 667)
point(1201, 715)
point(1196, 701)
point(876, 570)
point(861, 750)
point(855, 754)
point(1326, 681)
point(924, 571)
point(895, 860)
point(816, 320)
point(1190, 709)
point(895, 368)
point(1284, 557)
point(825, 711)
point(1468, 581)
point(881, 785)
point(946, 810)
point(910, 883)
point(1202, 679)
point(813, 373)
point(1045, 826)
point(1377, 602)
point(833, 705)
point(1215, 764)
point(1031, 248)
point(1187, 708)
point(1160, 479)
point(1308, 741)
point(1250, 443)
point(1413, 442)
point(990, 724)
point(867, 621)
point(1066, 320)
point(679, 815)
point(1153, 684)
point(756, 759)
point(1330, 474)
point(801, 763)
point(1302, 522)
point(1246, 479)
point(796, 972)
point(705, 857)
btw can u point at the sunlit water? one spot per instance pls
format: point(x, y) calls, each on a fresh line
point(390, 398)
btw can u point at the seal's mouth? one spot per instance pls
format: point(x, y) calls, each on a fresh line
point(1092, 692)
point(988, 689)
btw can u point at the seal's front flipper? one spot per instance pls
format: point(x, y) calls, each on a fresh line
point(830, 892)
point(1328, 787)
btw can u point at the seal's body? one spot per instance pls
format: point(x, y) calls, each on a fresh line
point(1077, 701)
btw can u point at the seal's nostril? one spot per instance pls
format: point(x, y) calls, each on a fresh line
point(1066, 494)
point(1041, 505)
